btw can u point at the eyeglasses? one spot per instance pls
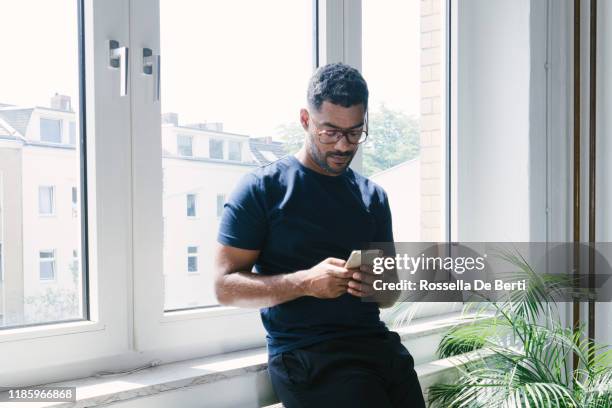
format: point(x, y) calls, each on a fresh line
point(333, 136)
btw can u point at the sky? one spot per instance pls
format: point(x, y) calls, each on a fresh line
point(247, 69)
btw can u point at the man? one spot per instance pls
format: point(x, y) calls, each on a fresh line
point(296, 221)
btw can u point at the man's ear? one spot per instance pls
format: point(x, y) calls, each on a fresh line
point(304, 118)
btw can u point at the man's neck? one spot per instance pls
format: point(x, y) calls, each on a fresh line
point(304, 158)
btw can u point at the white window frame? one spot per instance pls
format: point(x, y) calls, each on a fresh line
point(202, 331)
point(81, 348)
point(52, 260)
point(52, 203)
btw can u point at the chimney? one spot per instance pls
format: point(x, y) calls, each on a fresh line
point(61, 102)
point(170, 117)
point(214, 126)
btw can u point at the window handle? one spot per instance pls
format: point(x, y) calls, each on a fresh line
point(118, 58)
point(151, 65)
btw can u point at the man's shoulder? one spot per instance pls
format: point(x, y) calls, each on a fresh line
point(273, 172)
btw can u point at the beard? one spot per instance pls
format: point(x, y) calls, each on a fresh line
point(320, 158)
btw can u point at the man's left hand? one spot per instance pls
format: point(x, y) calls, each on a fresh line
point(361, 281)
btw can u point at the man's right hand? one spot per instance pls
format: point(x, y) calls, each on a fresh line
point(328, 279)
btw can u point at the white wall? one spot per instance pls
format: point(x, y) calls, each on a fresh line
point(403, 186)
point(493, 121)
point(603, 324)
point(61, 231)
point(205, 179)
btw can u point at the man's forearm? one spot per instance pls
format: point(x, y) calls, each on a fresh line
point(248, 289)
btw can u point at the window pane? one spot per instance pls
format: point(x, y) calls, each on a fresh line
point(50, 130)
point(405, 149)
point(235, 151)
point(191, 205)
point(192, 259)
point(246, 86)
point(216, 149)
point(72, 140)
point(47, 265)
point(39, 108)
point(184, 145)
point(45, 200)
point(220, 203)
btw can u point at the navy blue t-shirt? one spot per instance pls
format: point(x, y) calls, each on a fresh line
point(297, 217)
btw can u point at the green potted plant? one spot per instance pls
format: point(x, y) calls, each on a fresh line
point(521, 356)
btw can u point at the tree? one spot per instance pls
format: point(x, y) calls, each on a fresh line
point(292, 135)
point(393, 139)
point(55, 303)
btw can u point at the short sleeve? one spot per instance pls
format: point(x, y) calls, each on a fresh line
point(384, 222)
point(244, 220)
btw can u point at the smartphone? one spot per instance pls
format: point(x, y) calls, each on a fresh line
point(354, 260)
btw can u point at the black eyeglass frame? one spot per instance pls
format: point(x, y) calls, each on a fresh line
point(336, 135)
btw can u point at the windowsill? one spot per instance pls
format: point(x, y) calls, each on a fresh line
point(197, 373)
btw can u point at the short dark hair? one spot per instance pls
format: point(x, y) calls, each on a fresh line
point(339, 84)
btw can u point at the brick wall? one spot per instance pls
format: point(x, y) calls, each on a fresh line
point(431, 119)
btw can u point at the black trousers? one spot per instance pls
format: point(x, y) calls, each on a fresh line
point(369, 371)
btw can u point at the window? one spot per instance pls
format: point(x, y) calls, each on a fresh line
point(191, 205)
point(39, 177)
point(215, 149)
point(1, 262)
point(184, 145)
point(235, 150)
point(47, 265)
point(195, 88)
point(46, 204)
point(51, 130)
point(72, 133)
point(220, 204)
point(406, 113)
point(38, 173)
point(192, 259)
point(74, 265)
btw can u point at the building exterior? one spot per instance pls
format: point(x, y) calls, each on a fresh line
point(40, 225)
point(201, 164)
